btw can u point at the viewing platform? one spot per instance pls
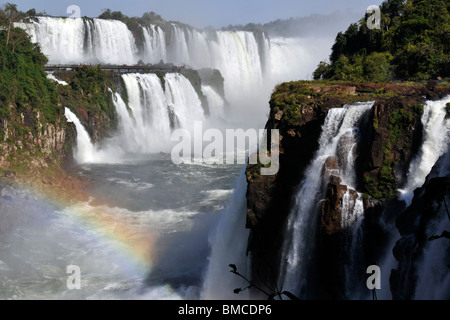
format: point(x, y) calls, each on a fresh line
point(118, 68)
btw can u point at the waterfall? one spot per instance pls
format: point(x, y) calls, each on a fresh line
point(156, 110)
point(250, 62)
point(153, 111)
point(431, 161)
point(283, 62)
point(58, 81)
point(146, 123)
point(297, 252)
point(215, 101)
point(155, 45)
point(435, 143)
point(434, 280)
point(228, 246)
point(85, 150)
point(65, 40)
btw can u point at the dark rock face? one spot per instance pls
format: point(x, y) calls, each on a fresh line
point(269, 198)
point(44, 144)
point(331, 206)
point(98, 124)
point(388, 142)
point(396, 134)
point(213, 78)
point(422, 225)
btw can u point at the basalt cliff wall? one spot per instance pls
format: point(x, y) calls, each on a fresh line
point(389, 142)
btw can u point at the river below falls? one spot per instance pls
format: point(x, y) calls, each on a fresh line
point(144, 234)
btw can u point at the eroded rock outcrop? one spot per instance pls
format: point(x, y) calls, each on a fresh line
point(387, 145)
point(424, 228)
point(30, 141)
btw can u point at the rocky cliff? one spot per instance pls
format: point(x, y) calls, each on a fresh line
point(28, 141)
point(424, 236)
point(88, 94)
point(390, 139)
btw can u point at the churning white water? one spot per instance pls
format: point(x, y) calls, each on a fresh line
point(155, 111)
point(435, 143)
point(66, 40)
point(228, 246)
point(85, 150)
point(297, 249)
point(58, 81)
point(249, 62)
point(434, 280)
point(215, 101)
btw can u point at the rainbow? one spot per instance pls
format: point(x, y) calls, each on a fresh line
point(130, 243)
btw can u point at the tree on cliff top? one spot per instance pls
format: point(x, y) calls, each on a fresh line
point(413, 43)
point(10, 12)
point(23, 82)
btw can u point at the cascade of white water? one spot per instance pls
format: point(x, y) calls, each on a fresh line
point(183, 100)
point(66, 40)
point(146, 123)
point(283, 60)
point(113, 42)
point(435, 143)
point(215, 101)
point(434, 280)
point(62, 40)
point(296, 251)
point(235, 54)
point(228, 246)
point(155, 111)
point(250, 64)
point(85, 150)
point(58, 81)
point(155, 45)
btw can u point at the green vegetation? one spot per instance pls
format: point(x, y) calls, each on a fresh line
point(253, 171)
point(398, 122)
point(385, 186)
point(30, 102)
point(23, 82)
point(413, 43)
point(89, 90)
point(359, 67)
point(289, 97)
point(387, 183)
point(418, 109)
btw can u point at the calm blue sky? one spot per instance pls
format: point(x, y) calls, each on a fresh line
point(202, 13)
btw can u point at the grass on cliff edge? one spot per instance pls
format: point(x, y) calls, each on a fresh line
point(23, 82)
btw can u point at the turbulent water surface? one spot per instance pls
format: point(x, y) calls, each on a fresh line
point(143, 234)
point(155, 230)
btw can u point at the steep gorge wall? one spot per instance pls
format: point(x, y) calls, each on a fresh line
point(389, 141)
point(424, 236)
point(28, 141)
